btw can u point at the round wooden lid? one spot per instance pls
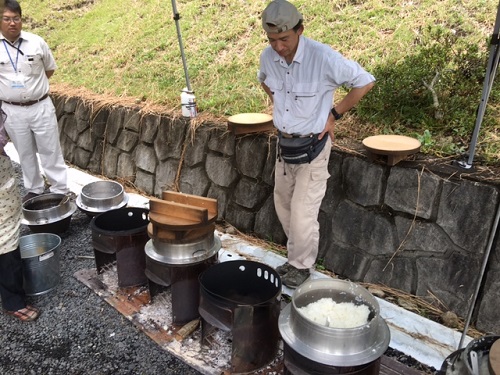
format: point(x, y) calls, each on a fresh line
point(250, 118)
point(392, 144)
point(495, 358)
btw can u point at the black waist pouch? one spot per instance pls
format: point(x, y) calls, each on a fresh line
point(296, 150)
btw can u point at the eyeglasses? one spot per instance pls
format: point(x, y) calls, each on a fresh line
point(11, 19)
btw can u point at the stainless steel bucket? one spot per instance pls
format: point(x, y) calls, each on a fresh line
point(40, 259)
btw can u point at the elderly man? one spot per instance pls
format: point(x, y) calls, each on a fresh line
point(26, 64)
point(300, 76)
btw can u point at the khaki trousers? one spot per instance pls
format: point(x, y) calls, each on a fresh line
point(298, 192)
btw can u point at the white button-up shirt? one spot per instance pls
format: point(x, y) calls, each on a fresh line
point(303, 91)
point(23, 66)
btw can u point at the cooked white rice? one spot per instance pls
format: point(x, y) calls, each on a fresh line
point(327, 312)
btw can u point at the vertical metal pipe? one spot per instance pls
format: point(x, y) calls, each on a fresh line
point(488, 83)
point(181, 46)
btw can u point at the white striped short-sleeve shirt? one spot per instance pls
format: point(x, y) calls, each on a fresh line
point(303, 91)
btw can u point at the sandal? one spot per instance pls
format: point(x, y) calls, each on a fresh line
point(28, 314)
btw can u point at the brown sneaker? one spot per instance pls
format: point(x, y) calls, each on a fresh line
point(284, 269)
point(295, 277)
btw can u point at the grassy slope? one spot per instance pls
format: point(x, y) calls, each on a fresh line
point(129, 48)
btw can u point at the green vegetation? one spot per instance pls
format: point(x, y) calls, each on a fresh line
point(129, 49)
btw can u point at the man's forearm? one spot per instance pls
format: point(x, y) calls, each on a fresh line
point(268, 91)
point(352, 98)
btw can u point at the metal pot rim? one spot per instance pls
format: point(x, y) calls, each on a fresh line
point(71, 208)
point(329, 345)
point(33, 237)
point(162, 258)
point(334, 359)
point(55, 220)
point(112, 189)
point(94, 210)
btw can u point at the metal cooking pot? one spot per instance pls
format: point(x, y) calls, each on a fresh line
point(334, 346)
point(476, 355)
point(474, 359)
point(50, 213)
point(101, 196)
point(183, 253)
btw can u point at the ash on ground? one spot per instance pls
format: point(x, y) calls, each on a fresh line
point(215, 354)
point(409, 361)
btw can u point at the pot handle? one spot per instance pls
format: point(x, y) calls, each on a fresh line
point(42, 220)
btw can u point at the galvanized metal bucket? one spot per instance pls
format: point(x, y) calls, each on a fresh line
point(40, 259)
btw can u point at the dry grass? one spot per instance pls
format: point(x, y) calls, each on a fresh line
point(428, 306)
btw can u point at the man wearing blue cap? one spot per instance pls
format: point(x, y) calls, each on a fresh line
point(300, 76)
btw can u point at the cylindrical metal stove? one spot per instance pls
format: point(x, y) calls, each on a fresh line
point(182, 246)
point(178, 266)
point(242, 297)
point(121, 235)
point(297, 364)
point(314, 348)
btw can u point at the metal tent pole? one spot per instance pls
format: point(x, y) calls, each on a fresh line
point(488, 83)
point(480, 276)
point(181, 46)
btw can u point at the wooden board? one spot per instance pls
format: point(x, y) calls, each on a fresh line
point(193, 200)
point(245, 123)
point(179, 236)
point(250, 118)
point(178, 216)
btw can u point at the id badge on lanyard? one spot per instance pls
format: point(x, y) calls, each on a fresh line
point(17, 84)
point(18, 81)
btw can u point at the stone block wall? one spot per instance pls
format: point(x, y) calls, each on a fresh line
point(403, 226)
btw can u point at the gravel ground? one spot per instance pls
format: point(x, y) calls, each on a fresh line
point(78, 332)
